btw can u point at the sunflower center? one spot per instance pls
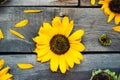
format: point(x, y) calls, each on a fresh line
point(59, 44)
point(103, 76)
point(114, 6)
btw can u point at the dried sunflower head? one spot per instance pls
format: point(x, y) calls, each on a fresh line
point(104, 40)
point(103, 75)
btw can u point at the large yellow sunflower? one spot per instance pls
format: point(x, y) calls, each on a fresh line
point(4, 75)
point(112, 9)
point(55, 43)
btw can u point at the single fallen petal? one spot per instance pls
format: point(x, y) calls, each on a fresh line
point(116, 28)
point(22, 23)
point(1, 63)
point(32, 11)
point(1, 34)
point(16, 33)
point(25, 65)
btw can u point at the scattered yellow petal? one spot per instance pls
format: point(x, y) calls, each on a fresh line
point(25, 65)
point(21, 23)
point(16, 33)
point(92, 2)
point(32, 11)
point(116, 28)
point(1, 63)
point(1, 34)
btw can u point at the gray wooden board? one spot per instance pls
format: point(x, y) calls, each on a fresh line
point(87, 3)
point(79, 72)
point(92, 20)
point(41, 3)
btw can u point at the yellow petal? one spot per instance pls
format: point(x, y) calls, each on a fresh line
point(32, 11)
point(10, 79)
point(56, 22)
point(93, 2)
point(47, 57)
point(62, 64)
point(69, 59)
point(111, 16)
point(16, 33)
point(1, 63)
point(6, 76)
point(43, 39)
point(41, 52)
point(75, 58)
point(54, 62)
point(21, 23)
point(41, 46)
point(67, 66)
point(4, 71)
point(77, 35)
point(1, 34)
point(69, 28)
point(116, 28)
point(46, 29)
point(101, 2)
point(66, 25)
point(117, 19)
point(104, 6)
point(106, 11)
point(77, 54)
point(78, 46)
point(25, 65)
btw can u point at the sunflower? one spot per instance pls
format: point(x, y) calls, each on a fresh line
point(112, 9)
point(55, 43)
point(4, 75)
point(103, 75)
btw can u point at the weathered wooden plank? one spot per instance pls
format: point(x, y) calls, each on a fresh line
point(79, 72)
point(41, 3)
point(93, 21)
point(87, 3)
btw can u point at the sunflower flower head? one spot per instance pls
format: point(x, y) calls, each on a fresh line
point(112, 9)
point(103, 75)
point(4, 75)
point(56, 44)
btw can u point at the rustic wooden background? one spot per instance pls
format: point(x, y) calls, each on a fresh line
point(90, 18)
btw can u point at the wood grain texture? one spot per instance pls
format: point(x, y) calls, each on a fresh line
point(41, 3)
point(87, 3)
point(93, 21)
point(79, 72)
